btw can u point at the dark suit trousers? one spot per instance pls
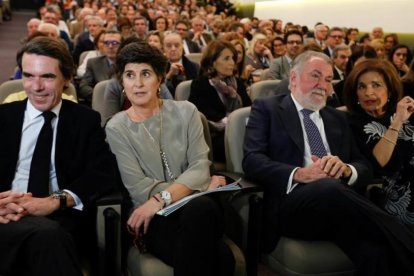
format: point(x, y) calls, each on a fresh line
point(330, 210)
point(190, 240)
point(37, 246)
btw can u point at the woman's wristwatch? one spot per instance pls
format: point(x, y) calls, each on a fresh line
point(166, 196)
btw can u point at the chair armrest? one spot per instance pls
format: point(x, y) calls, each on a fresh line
point(113, 198)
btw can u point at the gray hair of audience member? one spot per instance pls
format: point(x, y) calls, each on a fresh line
point(44, 25)
point(301, 60)
point(338, 48)
point(170, 33)
point(49, 47)
point(95, 18)
point(319, 27)
point(245, 20)
point(141, 52)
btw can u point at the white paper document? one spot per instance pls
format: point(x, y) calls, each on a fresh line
point(177, 205)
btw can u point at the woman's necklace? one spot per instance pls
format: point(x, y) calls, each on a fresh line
point(163, 156)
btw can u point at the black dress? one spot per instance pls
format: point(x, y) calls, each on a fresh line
point(398, 174)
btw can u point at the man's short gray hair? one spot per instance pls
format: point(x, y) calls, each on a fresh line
point(300, 61)
point(338, 48)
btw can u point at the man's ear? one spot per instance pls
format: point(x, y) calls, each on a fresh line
point(292, 79)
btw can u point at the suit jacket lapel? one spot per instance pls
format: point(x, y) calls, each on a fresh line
point(291, 122)
point(332, 131)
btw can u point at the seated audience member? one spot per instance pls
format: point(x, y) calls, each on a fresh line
point(258, 55)
point(335, 37)
point(100, 68)
point(161, 24)
point(198, 33)
point(115, 99)
point(278, 47)
point(99, 51)
point(390, 41)
point(85, 41)
point(49, 29)
point(111, 19)
point(377, 33)
point(156, 39)
point(180, 68)
point(364, 40)
point(320, 35)
point(242, 71)
point(351, 37)
point(162, 157)
point(140, 27)
point(54, 164)
point(312, 171)
point(125, 27)
point(399, 56)
point(78, 26)
point(381, 121)
point(189, 46)
point(378, 45)
point(52, 16)
point(408, 82)
point(280, 67)
point(340, 58)
point(217, 92)
point(32, 26)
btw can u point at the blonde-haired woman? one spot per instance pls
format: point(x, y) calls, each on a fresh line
point(258, 54)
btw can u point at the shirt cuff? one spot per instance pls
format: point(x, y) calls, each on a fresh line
point(78, 202)
point(290, 185)
point(354, 175)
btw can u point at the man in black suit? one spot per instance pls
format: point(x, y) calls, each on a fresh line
point(43, 221)
point(180, 68)
point(311, 169)
point(189, 46)
point(335, 38)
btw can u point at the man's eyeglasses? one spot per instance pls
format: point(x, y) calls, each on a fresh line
point(337, 36)
point(113, 43)
point(181, 29)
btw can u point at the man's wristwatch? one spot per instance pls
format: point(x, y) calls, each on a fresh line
point(62, 196)
point(166, 196)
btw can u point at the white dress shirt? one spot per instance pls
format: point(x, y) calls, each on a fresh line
point(307, 159)
point(32, 124)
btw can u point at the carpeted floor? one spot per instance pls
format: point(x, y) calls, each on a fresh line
point(11, 32)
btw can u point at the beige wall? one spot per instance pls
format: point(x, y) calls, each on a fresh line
point(392, 15)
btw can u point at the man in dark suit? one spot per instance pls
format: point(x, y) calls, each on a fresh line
point(100, 68)
point(180, 68)
point(47, 200)
point(85, 39)
point(335, 38)
point(189, 46)
point(311, 169)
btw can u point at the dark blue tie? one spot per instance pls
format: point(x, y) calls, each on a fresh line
point(314, 137)
point(40, 166)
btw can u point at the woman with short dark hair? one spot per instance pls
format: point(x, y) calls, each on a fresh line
point(162, 157)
